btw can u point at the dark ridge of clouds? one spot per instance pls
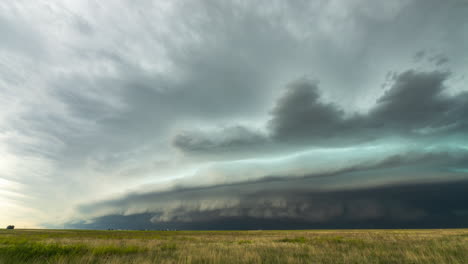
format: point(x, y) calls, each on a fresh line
point(421, 205)
point(415, 106)
point(348, 196)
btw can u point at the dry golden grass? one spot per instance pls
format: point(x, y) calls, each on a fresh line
point(306, 246)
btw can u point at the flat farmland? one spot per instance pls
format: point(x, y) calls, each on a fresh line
point(299, 246)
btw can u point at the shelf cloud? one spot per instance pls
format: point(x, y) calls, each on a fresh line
point(233, 114)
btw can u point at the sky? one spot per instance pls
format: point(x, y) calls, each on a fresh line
point(234, 114)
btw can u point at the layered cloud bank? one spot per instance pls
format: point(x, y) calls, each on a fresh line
point(289, 205)
point(226, 115)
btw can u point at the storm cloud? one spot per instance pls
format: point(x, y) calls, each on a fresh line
point(415, 106)
point(309, 201)
point(208, 113)
point(423, 205)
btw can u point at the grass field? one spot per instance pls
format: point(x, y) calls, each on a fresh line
point(309, 246)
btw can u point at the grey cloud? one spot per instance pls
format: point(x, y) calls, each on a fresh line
point(83, 26)
point(20, 37)
point(418, 56)
point(182, 199)
point(88, 98)
point(226, 139)
point(439, 59)
point(231, 64)
point(415, 106)
point(436, 59)
point(414, 101)
point(299, 113)
point(391, 206)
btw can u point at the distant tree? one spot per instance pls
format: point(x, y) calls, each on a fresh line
point(10, 227)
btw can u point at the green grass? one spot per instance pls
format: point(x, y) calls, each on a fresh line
point(305, 246)
point(294, 240)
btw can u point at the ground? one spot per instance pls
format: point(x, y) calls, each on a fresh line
point(301, 246)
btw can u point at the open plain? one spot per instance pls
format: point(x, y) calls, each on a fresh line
point(301, 246)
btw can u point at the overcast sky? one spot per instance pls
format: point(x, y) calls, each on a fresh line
point(233, 114)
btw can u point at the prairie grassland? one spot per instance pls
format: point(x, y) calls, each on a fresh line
point(305, 246)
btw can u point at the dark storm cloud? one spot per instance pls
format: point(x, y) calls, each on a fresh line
point(415, 101)
point(416, 105)
point(301, 114)
point(423, 205)
point(304, 202)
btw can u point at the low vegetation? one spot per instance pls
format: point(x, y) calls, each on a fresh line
point(320, 246)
